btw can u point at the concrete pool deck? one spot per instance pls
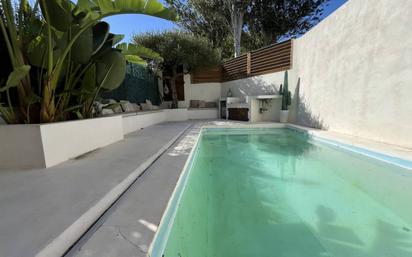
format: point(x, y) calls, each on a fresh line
point(129, 229)
point(38, 205)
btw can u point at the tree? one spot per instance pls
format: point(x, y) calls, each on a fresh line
point(237, 9)
point(206, 19)
point(270, 20)
point(217, 20)
point(179, 49)
point(248, 24)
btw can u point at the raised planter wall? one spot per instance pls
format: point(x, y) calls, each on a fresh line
point(133, 122)
point(21, 146)
point(46, 145)
point(66, 140)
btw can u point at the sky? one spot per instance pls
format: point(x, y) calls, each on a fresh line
point(132, 24)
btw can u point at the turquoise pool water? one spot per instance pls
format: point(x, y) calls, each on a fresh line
point(275, 192)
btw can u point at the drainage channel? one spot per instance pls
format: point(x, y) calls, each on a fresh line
point(76, 246)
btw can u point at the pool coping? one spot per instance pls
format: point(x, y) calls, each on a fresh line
point(159, 241)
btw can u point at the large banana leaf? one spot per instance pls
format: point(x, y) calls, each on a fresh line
point(100, 35)
point(15, 77)
point(59, 13)
point(135, 59)
point(105, 8)
point(89, 42)
point(140, 51)
point(82, 49)
point(37, 50)
point(111, 70)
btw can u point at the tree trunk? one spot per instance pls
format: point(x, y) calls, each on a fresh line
point(175, 101)
point(48, 109)
point(236, 15)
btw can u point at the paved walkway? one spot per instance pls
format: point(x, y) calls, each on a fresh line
point(38, 205)
point(129, 229)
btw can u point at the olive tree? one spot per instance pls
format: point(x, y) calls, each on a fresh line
point(179, 49)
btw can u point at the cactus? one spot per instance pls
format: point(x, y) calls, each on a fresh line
point(286, 95)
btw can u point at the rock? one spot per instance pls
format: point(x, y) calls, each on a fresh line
point(128, 107)
point(108, 101)
point(136, 107)
point(165, 105)
point(146, 107)
point(117, 108)
point(107, 111)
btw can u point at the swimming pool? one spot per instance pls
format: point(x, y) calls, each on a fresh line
point(278, 192)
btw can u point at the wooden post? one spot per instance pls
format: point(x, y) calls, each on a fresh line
point(249, 64)
point(291, 53)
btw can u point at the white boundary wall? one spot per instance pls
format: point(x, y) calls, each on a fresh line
point(351, 74)
point(355, 71)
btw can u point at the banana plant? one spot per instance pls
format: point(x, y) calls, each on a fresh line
point(72, 47)
point(20, 69)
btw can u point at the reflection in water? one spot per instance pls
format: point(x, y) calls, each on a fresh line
point(391, 240)
point(388, 240)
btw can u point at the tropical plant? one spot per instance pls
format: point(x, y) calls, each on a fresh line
point(62, 55)
point(286, 94)
point(180, 51)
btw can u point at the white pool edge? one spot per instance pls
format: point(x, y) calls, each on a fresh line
point(159, 241)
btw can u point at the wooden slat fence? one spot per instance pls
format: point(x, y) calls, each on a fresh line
point(273, 58)
point(207, 75)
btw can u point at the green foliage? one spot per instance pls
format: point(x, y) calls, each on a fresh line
point(205, 19)
point(15, 77)
point(286, 94)
point(137, 53)
point(62, 55)
point(266, 21)
point(179, 49)
point(269, 21)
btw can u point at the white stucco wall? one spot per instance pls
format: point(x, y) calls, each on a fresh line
point(209, 92)
point(267, 84)
point(45, 145)
point(136, 121)
point(355, 71)
point(21, 146)
point(66, 140)
point(352, 73)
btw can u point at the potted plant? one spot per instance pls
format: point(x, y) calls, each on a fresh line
point(286, 100)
